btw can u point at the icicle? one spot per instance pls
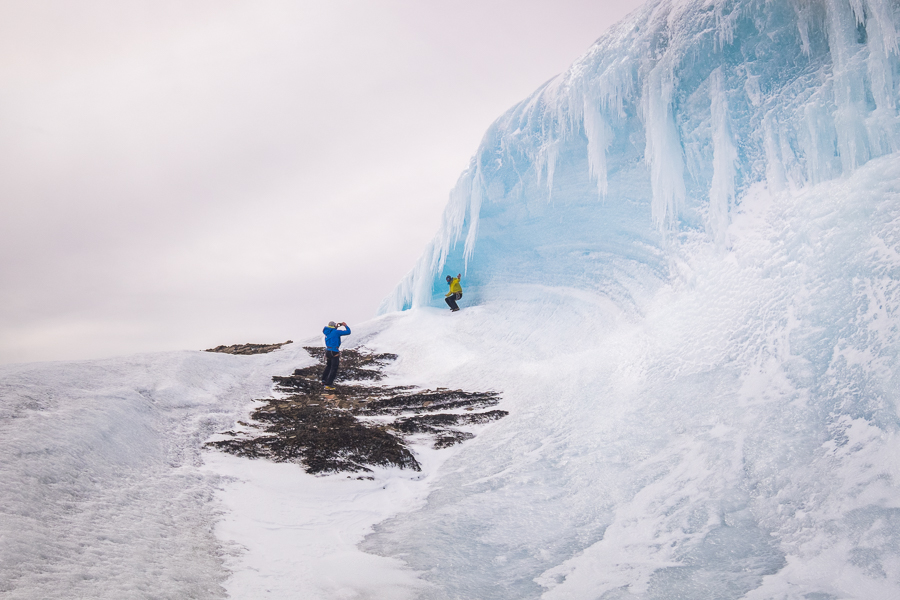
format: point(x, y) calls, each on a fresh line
point(882, 43)
point(775, 177)
point(858, 11)
point(819, 142)
point(721, 191)
point(802, 11)
point(793, 173)
point(475, 199)
point(724, 24)
point(751, 86)
point(569, 113)
point(616, 85)
point(664, 152)
point(849, 91)
point(552, 153)
point(599, 138)
point(455, 213)
point(882, 15)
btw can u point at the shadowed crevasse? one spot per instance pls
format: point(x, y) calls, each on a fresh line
point(358, 425)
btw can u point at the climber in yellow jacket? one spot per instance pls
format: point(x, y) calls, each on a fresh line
point(455, 292)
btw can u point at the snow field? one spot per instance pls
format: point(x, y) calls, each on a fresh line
point(101, 490)
point(297, 533)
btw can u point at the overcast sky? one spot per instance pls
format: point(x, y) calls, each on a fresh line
point(178, 174)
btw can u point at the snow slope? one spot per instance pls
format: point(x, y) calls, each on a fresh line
point(102, 494)
point(106, 492)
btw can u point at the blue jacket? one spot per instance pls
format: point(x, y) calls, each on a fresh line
point(333, 337)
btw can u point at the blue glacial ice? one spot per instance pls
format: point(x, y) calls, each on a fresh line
point(659, 129)
point(681, 262)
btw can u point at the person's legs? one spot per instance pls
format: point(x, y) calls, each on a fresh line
point(332, 361)
point(329, 365)
point(451, 302)
point(328, 375)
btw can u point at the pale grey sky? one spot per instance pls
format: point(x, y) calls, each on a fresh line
point(180, 174)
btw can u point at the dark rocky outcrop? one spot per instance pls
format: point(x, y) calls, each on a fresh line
point(248, 348)
point(360, 423)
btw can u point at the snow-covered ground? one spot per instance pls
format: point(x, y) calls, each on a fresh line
point(295, 535)
point(102, 493)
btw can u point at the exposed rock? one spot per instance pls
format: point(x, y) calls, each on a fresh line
point(248, 348)
point(357, 424)
point(355, 366)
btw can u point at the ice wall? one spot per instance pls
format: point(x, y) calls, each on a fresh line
point(659, 129)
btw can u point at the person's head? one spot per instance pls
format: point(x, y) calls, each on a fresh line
point(332, 324)
point(449, 279)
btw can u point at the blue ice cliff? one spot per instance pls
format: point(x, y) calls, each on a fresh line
point(659, 129)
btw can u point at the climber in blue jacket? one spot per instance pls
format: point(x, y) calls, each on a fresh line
point(332, 351)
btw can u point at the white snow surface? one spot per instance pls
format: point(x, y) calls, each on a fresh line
point(101, 490)
point(732, 435)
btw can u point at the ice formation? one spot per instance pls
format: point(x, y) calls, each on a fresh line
point(660, 128)
point(681, 262)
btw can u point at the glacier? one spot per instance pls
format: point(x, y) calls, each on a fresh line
point(686, 252)
point(681, 262)
point(659, 129)
point(735, 437)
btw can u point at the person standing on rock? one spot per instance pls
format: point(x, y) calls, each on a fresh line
point(455, 292)
point(332, 351)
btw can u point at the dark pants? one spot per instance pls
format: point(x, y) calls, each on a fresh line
point(451, 300)
point(332, 360)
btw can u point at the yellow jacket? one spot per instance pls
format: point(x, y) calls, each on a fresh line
point(455, 288)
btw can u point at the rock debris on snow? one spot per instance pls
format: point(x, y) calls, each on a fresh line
point(248, 348)
point(358, 424)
